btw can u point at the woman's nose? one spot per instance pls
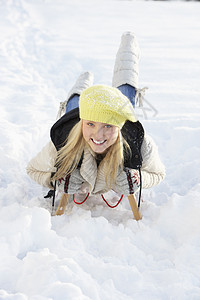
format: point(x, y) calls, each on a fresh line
point(99, 133)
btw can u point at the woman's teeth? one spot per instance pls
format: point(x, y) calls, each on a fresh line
point(98, 142)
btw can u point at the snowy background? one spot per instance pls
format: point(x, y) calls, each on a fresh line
point(94, 252)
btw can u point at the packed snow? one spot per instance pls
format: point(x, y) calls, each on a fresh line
point(95, 252)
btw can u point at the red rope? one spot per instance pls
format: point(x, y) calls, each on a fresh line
point(82, 201)
point(112, 206)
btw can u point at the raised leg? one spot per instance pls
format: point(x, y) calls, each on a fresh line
point(129, 91)
point(84, 81)
point(134, 207)
point(126, 67)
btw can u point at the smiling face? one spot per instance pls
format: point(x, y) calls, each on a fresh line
point(99, 136)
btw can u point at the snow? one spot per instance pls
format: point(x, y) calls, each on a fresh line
point(94, 252)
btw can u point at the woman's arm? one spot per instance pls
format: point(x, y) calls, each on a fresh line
point(42, 165)
point(153, 170)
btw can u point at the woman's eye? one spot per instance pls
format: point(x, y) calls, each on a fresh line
point(108, 126)
point(90, 124)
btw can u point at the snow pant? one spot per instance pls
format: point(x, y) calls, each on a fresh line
point(126, 89)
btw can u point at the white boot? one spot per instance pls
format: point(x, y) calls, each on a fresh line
point(84, 81)
point(126, 63)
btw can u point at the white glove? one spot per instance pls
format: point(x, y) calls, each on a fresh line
point(73, 183)
point(127, 182)
point(84, 188)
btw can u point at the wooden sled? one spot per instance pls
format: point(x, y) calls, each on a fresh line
point(62, 204)
point(134, 207)
point(132, 200)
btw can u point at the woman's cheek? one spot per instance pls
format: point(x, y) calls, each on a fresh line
point(85, 133)
point(115, 133)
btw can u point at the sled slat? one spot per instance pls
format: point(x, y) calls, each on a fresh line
point(134, 207)
point(62, 204)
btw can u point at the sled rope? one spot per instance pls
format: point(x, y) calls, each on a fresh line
point(140, 191)
point(61, 110)
point(112, 206)
point(132, 200)
point(140, 99)
point(82, 201)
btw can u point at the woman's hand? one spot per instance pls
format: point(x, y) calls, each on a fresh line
point(73, 183)
point(127, 181)
point(84, 188)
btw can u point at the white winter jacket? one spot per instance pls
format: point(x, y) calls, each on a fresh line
point(42, 165)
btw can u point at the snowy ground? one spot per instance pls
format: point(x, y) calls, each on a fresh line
point(93, 252)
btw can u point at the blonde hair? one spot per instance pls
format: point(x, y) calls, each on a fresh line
point(114, 160)
point(70, 154)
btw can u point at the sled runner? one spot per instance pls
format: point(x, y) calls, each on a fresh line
point(132, 200)
point(62, 204)
point(134, 207)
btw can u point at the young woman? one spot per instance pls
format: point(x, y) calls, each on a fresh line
point(98, 144)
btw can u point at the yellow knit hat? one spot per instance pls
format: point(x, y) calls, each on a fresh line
point(102, 103)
